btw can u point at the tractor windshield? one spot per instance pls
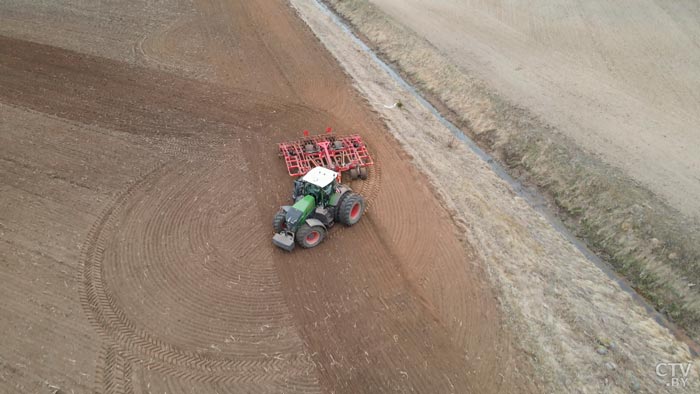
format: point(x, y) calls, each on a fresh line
point(311, 189)
point(328, 190)
point(321, 195)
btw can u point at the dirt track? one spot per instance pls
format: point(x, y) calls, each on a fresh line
point(138, 182)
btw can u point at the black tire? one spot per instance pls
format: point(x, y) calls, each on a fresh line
point(310, 236)
point(351, 209)
point(363, 173)
point(279, 222)
point(336, 215)
point(354, 173)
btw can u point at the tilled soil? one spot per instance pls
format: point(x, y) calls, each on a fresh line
point(137, 195)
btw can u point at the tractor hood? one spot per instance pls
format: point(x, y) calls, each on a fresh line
point(299, 211)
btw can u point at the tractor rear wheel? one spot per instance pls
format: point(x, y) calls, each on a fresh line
point(279, 222)
point(310, 236)
point(351, 209)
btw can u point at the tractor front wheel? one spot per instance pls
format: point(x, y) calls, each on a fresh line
point(310, 236)
point(351, 209)
point(279, 222)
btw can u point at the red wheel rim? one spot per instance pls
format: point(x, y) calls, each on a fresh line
point(313, 237)
point(355, 211)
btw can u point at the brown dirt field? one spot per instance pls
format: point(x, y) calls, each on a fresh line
point(137, 190)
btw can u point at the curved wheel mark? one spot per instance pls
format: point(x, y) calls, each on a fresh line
point(111, 322)
point(372, 185)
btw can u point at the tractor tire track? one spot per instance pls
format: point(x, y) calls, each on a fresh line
point(177, 274)
point(109, 317)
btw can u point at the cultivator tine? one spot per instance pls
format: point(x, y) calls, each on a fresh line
point(322, 150)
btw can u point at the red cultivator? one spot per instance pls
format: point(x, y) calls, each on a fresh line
point(342, 154)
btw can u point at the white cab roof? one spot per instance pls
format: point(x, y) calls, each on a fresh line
point(320, 176)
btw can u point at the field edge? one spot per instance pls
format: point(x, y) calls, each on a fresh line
point(651, 245)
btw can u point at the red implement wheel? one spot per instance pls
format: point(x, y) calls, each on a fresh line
point(354, 173)
point(363, 173)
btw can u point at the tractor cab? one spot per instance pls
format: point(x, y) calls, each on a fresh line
point(320, 183)
point(319, 202)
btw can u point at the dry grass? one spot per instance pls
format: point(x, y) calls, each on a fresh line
point(650, 244)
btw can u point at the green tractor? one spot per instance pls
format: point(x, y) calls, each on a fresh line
point(319, 202)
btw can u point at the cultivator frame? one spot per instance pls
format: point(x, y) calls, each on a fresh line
point(341, 154)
